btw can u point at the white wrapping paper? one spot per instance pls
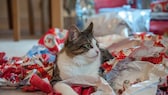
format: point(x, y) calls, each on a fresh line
point(103, 88)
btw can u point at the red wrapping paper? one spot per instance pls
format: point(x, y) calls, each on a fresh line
point(106, 67)
point(37, 82)
point(2, 60)
point(88, 91)
point(78, 89)
point(52, 39)
point(163, 86)
point(30, 88)
point(159, 6)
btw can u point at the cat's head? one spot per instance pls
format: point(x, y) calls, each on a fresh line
point(81, 43)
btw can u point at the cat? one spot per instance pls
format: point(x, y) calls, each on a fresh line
point(81, 55)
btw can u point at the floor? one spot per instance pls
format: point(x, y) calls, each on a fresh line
point(19, 48)
point(18, 92)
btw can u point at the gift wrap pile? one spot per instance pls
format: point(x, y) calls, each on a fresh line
point(38, 61)
point(139, 66)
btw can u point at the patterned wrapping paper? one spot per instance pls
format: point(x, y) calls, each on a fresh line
point(163, 86)
point(159, 6)
point(34, 70)
point(136, 65)
point(17, 71)
point(148, 60)
point(54, 39)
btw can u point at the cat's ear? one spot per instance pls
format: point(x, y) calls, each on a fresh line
point(73, 33)
point(90, 28)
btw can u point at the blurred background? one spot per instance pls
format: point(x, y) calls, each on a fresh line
point(29, 20)
point(35, 16)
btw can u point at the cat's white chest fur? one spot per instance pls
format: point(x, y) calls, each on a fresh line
point(87, 64)
point(69, 67)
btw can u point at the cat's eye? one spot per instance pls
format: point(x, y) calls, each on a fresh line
point(88, 46)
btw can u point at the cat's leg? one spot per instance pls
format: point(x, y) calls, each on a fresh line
point(64, 89)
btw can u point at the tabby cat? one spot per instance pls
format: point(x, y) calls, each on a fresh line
point(81, 55)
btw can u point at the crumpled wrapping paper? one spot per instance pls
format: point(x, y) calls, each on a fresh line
point(138, 65)
point(108, 24)
point(83, 85)
point(54, 39)
point(17, 71)
point(153, 85)
point(107, 40)
point(162, 86)
point(119, 21)
point(101, 85)
point(148, 87)
point(134, 76)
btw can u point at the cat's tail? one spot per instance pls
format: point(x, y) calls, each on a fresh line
point(64, 89)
